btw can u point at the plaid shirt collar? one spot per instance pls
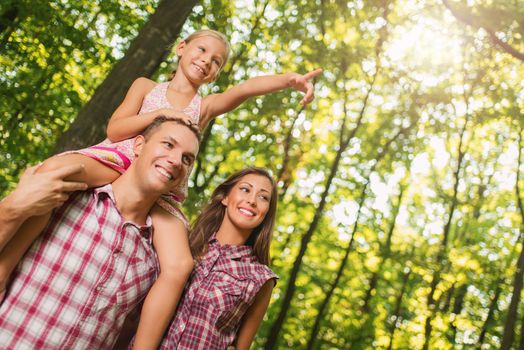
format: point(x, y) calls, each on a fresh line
point(235, 252)
point(107, 191)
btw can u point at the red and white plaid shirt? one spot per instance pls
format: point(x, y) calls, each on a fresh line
point(222, 287)
point(79, 280)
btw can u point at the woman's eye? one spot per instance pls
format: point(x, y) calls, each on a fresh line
point(168, 144)
point(264, 198)
point(201, 48)
point(244, 189)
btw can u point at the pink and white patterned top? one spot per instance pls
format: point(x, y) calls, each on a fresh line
point(80, 278)
point(119, 155)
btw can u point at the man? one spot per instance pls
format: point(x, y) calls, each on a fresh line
point(94, 262)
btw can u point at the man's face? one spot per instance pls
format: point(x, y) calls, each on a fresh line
point(165, 157)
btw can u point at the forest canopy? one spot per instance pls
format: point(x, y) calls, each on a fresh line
point(401, 213)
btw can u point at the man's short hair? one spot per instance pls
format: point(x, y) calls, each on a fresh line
point(161, 119)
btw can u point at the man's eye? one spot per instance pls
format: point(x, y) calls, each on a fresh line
point(187, 160)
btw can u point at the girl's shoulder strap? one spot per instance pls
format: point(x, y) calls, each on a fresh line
point(156, 98)
point(193, 109)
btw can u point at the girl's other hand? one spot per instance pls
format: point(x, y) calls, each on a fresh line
point(304, 83)
point(173, 113)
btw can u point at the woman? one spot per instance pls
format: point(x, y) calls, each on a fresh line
point(230, 288)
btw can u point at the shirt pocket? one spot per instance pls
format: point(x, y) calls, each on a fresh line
point(232, 300)
point(140, 274)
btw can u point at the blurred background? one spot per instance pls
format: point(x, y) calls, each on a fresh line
point(401, 216)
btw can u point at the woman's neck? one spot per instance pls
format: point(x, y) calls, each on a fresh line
point(232, 235)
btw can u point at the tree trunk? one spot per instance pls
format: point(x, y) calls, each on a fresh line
point(444, 242)
point(491, 311)
point(457, 309)
point(8, 21)
point(143, 57)
point(511, 319)
point(316, 327)
point(344, 140)
point(398, 307)
point(325, 303)
point(386, 250)
point(521, 342)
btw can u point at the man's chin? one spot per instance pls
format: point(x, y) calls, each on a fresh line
point(173, 186)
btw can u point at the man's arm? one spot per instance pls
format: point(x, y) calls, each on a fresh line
point(36, 194)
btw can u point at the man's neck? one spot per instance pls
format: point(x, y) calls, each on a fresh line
point(131, 201)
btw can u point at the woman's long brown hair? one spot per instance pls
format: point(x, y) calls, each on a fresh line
point(210, 219)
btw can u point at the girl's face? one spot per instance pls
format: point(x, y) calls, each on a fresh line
point(201, 58)
point(247, 203)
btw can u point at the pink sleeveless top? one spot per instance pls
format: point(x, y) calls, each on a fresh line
point(119, 155)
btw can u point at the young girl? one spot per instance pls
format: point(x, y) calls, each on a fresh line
point(229, 289)
point(201, 57)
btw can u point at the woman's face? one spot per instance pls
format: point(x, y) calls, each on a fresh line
point(248, 202)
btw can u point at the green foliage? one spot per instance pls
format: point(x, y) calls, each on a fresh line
point(426, 73)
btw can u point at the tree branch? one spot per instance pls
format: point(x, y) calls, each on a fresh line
point(472, 21)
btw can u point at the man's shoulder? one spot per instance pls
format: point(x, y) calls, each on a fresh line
point(85, 201)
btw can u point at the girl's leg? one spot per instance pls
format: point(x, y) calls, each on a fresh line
point(176, 263)
point(94, 174)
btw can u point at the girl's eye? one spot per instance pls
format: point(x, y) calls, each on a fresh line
point(217, 62)
point(264, 198)
point(201, 48)
point(244, 189)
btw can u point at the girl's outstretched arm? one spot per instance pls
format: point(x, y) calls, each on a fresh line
point(125, 122)
point(217, 104)
point(254, 316)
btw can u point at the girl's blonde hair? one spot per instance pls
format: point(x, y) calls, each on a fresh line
point(215, 34)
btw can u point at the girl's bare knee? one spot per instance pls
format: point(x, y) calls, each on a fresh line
point(50, 164)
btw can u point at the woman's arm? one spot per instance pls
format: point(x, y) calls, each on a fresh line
point(125, 121)
point(254, 316)
point(217, 104)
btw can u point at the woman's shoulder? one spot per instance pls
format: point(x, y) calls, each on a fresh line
point(257, 271)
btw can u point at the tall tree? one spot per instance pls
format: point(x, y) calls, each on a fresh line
point(442, 252)
point(511, 318)
point(335, 283)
